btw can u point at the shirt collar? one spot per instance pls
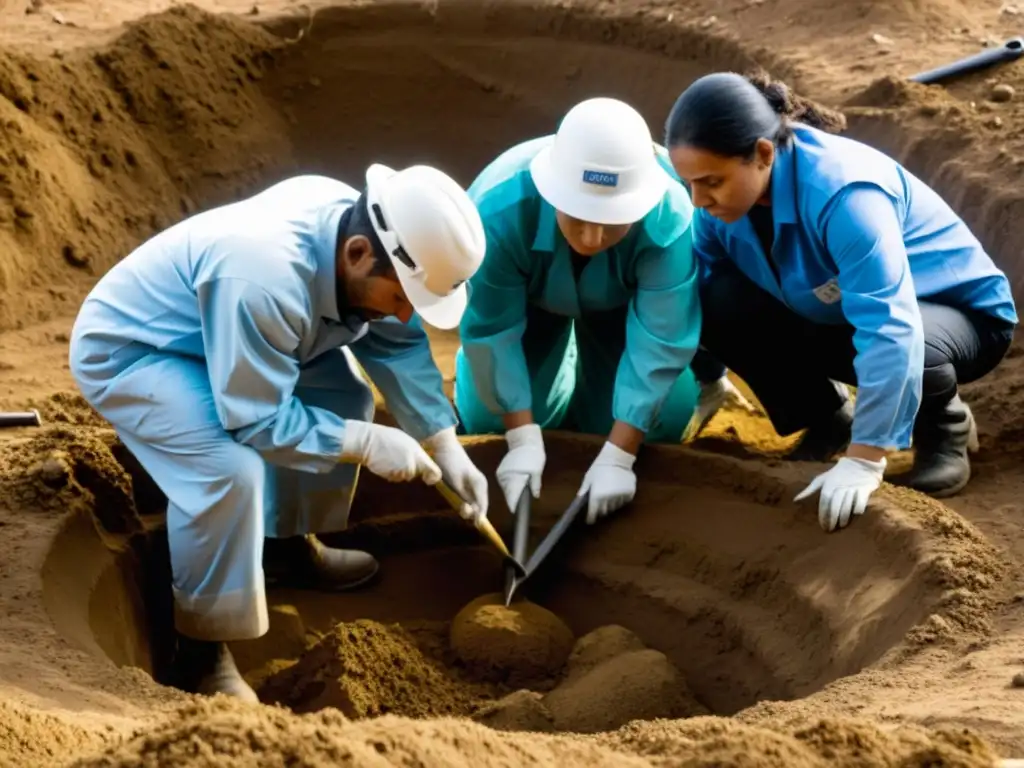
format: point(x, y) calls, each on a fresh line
point(784, 184)
point(547, 226)
point(326, 247)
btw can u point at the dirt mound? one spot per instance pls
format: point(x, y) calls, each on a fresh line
point(65, 470)
point(221, 732)
point(366, 669)
point(838, 743)
point(520, 643)
point(101, 149)
point(29, 737)
point(636, 685)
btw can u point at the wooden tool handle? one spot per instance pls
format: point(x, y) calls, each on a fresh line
point(483, 525)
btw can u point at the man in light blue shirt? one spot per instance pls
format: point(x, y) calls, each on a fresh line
point(224, 352)
point(824, 259)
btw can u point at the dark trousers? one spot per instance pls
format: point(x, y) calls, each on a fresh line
point(788, 361)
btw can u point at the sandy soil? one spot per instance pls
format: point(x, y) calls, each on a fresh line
point(894, 642)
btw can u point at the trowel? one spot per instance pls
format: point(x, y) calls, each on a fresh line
point(486, 528)
point(548, 544)
point(520, 540)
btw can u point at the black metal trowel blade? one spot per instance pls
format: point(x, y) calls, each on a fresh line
point(520, 541)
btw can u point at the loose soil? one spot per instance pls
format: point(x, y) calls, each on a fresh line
point(711, 623)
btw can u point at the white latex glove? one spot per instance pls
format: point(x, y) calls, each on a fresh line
point(845, 490)
point(610, 480)
point(523, 464)
point(459, 472)
point(387, 452)
point(713, 397)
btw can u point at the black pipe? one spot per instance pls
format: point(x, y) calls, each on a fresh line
point(20, 419)
point(1008, 51)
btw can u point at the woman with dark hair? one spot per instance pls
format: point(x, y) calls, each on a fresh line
point(824, 260)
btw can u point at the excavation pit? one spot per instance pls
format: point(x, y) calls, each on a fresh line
point(712, 579)
point(713, 585)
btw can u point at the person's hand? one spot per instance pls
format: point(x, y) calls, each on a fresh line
point(523, 465)
point(845, 490)
point(713, 397)
point(387, 452)
point(610, 480)
point(460, 473)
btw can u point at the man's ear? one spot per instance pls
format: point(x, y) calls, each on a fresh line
point(358, 254)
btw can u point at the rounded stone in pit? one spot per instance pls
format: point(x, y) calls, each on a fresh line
point(520, 642)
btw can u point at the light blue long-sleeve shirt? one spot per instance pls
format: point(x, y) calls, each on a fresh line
point(652, 273)
point(859, 240)
point(250, 288)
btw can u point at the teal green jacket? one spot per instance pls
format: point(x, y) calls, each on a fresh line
point(651, 274)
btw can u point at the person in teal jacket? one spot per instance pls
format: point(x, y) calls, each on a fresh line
point(823, 261)
point(585, 313)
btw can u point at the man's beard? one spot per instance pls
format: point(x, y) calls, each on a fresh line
point(350, 312)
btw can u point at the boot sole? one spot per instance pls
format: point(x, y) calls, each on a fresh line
point(321, 585)
point(945, 493)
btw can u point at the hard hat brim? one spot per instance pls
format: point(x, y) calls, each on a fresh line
point(442, 312)
point(565, 195)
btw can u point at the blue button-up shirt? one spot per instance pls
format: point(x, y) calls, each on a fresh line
point(250, 288)
point(858, 240)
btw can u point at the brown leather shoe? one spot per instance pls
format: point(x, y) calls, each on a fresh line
point(305, 562)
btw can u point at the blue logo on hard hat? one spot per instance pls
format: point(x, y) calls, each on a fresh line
point(601, 178)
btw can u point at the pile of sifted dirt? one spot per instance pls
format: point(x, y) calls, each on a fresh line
point(366, 669)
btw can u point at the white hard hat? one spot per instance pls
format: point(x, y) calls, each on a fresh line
point(433, 235)
point(601, 166)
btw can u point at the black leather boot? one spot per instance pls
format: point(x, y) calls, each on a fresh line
point(304, 562)
point(825, 439)
point(208, 668)
point(942, 439)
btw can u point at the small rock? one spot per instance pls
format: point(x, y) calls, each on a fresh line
point(315, 82)
point(708, 22)
point(1018, 680)
point(55, 470)
point(1010, 10)
point(74, 258)
point(1001, 92)
point(994, 122)
point(255, 10)
point(881, 39)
